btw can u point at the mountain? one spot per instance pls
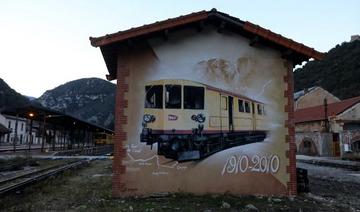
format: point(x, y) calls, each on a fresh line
point(31, 98)
point(338, 72)
point(9, 98)
point(90, 99)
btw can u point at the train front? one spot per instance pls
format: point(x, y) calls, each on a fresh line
point(174, 116)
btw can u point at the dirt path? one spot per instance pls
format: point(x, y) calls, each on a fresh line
point(335, 185)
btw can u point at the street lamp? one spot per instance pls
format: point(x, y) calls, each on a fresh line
point(31, 116)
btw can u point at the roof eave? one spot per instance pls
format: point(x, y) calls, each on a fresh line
point(300, 51)
point(147, 29)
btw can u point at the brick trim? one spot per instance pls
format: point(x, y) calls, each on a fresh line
point(121, 119)
point(290, 125)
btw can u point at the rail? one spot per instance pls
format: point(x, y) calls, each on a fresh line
point(99, 150)
point(21, 181)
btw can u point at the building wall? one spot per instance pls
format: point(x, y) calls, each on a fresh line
point(314, 126)
point(225, 61)
point(3, 122)
point(314, 98)
point(10, 122)
point(351, 114)
point(348, 144)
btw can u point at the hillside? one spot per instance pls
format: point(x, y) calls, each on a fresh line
point(9, 97)
point(338, 72)
point(90, 99)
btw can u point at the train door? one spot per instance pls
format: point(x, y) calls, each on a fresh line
point(231, 126)
point(336, 144)
point(224, 114)
point(254, 116)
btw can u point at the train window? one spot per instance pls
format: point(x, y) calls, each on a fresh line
point(241, 105)
point(223, 102)
point(247, 107)
point(193, 97)
point(173, 96)
point(264, 112)
point(154, 96)
point(259, 109)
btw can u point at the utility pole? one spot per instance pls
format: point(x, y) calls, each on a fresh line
point(43, 134)
point(326, 115)
point(16, 129)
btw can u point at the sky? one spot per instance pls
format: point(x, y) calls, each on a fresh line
point(45, 43)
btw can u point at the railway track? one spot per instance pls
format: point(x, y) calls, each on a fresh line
point(19, 182)
point(20, 149)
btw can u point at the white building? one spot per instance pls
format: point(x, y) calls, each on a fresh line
point(16, 127)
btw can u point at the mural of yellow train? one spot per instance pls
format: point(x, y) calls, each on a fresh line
point(190, 121)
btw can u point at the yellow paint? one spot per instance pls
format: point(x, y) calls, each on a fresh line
point(216, 111)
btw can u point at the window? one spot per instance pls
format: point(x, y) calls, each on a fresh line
point(193, 97)
point(241, 105)
point(247, 107)
point(223, 102)
point(22, 126)
point(259, 109)
point(154, 96)
point(264, 111)
point(173, 96)
point(356, 146)
point(9, 124)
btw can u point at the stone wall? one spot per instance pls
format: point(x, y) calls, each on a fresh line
point(321, 143)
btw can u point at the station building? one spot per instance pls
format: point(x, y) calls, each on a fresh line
point(244, 70)
point(38, 126)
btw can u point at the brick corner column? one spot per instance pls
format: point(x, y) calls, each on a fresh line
point(119, 169)
point(290, 125)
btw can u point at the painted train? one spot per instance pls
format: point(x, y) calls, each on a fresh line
point(190, 121)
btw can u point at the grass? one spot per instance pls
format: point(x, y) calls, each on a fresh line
point(89, 189)
point(16, 163)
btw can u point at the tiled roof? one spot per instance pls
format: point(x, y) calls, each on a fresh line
point(199, 16)
point(244, 28)
point(147, 29)
point(317, 113)
point(283, 41)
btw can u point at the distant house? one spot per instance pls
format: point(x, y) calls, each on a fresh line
point(332, 130)
point(313, 96)
point(11, 124)
point(3, 129)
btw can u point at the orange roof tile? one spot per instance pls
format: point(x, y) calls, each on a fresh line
point(317, 113)
point(246, 29)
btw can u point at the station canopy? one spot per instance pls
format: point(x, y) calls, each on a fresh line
point(42, 114)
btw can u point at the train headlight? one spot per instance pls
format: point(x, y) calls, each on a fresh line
point(198, 118)
point(148, 118)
